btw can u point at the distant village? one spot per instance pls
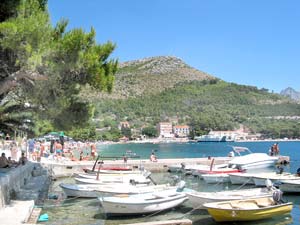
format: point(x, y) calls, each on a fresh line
point(168, 131)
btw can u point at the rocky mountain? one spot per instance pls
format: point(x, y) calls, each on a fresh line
point(152, 75)
point(291, 93)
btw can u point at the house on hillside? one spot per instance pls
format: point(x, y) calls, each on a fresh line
point(124, 124)
point(165, 130)
point(181, 130)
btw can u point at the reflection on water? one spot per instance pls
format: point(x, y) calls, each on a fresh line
point(88, 211)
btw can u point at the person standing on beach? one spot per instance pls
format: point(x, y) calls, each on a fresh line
point(62, 140)
point(31, 144)
point(93, 150)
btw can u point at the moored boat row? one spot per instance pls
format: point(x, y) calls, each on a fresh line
point(129, 193)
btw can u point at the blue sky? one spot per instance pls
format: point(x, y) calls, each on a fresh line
point(250, 42)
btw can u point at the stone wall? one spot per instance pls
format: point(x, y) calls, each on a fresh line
point(11, 181)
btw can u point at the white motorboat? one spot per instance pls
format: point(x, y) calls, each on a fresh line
point(292, 186)
point(142, 203)
point(252, 160)
point(197, 199)
point(260, 179)
point(216, 178)
point(94, 190)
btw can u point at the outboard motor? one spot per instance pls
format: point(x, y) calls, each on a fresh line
point(277, 197)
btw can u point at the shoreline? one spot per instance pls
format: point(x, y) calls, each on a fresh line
point(171, 141)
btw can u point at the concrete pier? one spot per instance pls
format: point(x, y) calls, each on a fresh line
point(67, 168)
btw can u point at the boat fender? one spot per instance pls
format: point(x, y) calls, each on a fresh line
point(268, 184)
point(180, 186)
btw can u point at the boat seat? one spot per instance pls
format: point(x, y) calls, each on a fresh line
point(245, 205)
point(264, 202)
point(226, 206)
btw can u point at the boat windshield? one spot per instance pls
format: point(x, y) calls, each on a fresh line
point(239, 149)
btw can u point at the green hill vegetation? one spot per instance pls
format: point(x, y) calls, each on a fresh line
point(197, 99)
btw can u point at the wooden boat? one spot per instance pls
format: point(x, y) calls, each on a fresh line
point(197, 199)
point(142, 203)
point(247, 209)
point(94, 190)
point(292, 186)
point(216, 178)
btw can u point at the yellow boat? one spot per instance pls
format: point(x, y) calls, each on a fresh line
point(247, 209)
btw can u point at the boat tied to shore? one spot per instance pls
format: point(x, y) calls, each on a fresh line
point(247, 209)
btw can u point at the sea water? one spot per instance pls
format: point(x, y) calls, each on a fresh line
point(77, 211)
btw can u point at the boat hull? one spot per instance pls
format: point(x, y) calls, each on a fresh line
point(240, 179)
point(197, 199)
point(94, 191)
point(123, 207)
point(290, 186)
point(216, 178)
point(115, 181)
point(225, 215)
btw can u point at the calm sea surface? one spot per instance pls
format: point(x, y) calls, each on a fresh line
point(88, 211)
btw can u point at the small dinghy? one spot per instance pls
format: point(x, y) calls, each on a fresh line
point(247, 209)
point(197, 199)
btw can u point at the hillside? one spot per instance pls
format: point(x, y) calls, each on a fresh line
point(166, 89)
point(150, 76)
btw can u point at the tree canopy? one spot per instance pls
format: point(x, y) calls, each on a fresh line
point(47, 65)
